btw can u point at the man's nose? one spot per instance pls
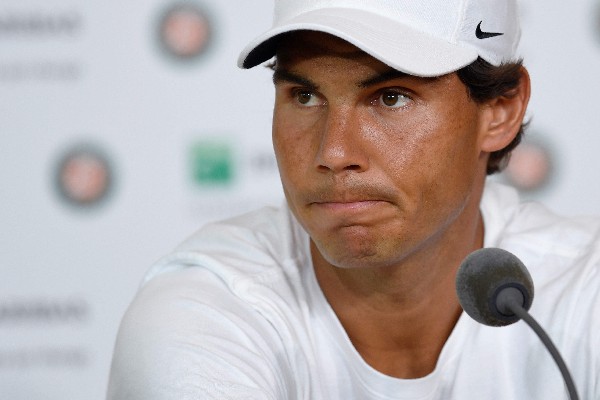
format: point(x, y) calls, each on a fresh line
point(342, 146)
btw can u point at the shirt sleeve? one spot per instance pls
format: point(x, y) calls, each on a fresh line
point(185, 336)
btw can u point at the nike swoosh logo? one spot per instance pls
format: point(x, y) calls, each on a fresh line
point(485, 35)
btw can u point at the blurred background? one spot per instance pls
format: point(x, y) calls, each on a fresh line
point(125, 126)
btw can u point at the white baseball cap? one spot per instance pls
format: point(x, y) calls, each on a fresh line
point(418, 37)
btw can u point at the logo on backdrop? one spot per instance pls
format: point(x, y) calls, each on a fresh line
point(227, 177)
point(84, 176)
point(217, 162)
point(212, 163)
point(184, 31)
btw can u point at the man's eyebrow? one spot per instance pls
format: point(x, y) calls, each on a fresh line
point(281, 75)
point(383, 77)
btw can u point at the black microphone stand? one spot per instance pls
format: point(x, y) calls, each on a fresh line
point(511, 304)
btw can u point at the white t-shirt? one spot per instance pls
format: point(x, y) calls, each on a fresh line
point(236, 313)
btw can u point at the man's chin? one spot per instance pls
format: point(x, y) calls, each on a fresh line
point(349, 255)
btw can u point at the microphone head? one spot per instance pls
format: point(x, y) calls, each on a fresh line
point(482, 276)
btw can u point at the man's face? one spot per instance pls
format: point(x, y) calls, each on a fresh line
point(375, 165)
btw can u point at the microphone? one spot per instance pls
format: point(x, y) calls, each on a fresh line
point(495, 288)
point(486, 279)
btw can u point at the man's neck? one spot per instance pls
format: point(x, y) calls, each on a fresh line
point(399, 317)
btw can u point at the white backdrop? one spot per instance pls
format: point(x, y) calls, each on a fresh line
point(183, 141)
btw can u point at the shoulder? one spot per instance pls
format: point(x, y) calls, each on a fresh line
point(252, 264)
point(563, 256)
point(561, 253)
point(537, 234)
point(248, 247)
point(215, 311)
point(183, 336)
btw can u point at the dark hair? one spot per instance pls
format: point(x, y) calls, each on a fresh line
point(484, 82)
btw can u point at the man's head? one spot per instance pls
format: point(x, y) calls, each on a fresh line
point(382, 145)
point(376, 163)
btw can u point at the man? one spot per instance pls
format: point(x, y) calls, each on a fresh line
point(388, 116)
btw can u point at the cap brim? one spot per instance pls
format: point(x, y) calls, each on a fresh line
point(399, 46)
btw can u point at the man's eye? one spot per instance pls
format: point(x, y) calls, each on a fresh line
point(393, 99)
point(306, 97)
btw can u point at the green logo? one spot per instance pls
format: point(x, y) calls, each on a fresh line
point(212, 163)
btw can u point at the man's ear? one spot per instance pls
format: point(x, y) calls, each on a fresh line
point(504, 115)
